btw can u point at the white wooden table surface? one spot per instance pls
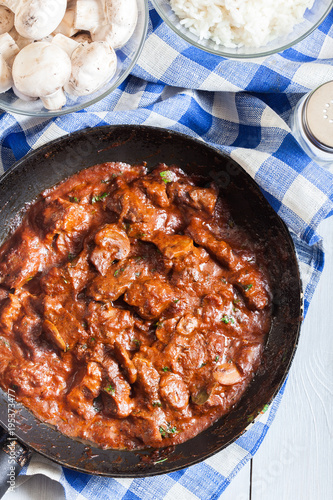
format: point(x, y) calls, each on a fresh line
point(295, 461)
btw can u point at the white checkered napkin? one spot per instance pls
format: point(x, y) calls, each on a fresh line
point(242, 108)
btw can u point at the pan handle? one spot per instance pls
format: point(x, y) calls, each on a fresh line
point(13, 456)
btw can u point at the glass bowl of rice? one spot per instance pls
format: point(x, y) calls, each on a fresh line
point(243, 29)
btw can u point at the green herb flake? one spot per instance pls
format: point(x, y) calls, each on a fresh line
point(65, 281)
point(116, 272)
point(101, 197)
point(228, 319)
point(165, 369)
point(167, 176)
point(172, 430)
point(247, 287)
point(202, 364)
point(162, 432)
point(176, 301)
point(73, 199)
point(110, 389)
point(216, 358)
point(265, 408)
point(160, 461)
point(5, 342)
point(157, 404)
point(137, 342)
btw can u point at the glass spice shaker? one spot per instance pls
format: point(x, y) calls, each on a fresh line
point(312, 124)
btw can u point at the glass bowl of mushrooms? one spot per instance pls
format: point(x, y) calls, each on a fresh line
point(72, 54)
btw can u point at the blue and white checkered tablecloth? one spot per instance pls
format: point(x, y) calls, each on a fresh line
point(242, 108)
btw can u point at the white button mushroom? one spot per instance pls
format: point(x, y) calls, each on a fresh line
point(41, 69)
point(36, 19)
point(89, 14)
point(6, 19)
point(66, 27)
point(8, 48)
point(121, 17)
point(20, 40)
point(93, 65)
point(6, 81)
point(11, 4)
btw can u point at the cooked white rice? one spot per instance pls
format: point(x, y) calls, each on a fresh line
point(233, 23)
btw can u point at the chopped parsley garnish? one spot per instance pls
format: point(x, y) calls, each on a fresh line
point(162, 432)
point(165, 369)
point(217, 358)
point(65, 281)
point(110, 389)
point(101, 197)
point(247, 287)
point(176, 301)
point(169, 430)
point(137, 342)
point(157, 404)
point(73, 199)
point(202, 364)
point(167, 176)
point(160, 461)
point(226, 319)
point(118, 271)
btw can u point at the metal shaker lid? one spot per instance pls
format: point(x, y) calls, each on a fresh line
point(318, 117)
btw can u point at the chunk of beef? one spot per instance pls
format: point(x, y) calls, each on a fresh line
point(109, 323)
point(79, 270)
point(219, 248)
point(23, 261)
point(133, 206)
point(156, 191)
point(111, 243)
point(150, 297)
point(62, 216)
point(10, 312)
point(66, 329)
point(253, 287)
point(199, 198)
point(125, 361)
point(174, 391)
point(147, 378)
point(117, 279)
point(173, 246)
point(85, 388)
point(116, 391)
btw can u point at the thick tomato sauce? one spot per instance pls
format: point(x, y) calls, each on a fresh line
point(133, 310)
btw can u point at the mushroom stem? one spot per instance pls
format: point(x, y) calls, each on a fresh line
point(66, 27)
point(65, 43)
point(54, 101)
